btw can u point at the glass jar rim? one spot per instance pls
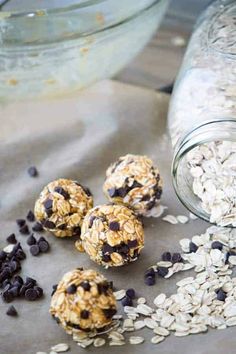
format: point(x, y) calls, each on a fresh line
point(208, 131)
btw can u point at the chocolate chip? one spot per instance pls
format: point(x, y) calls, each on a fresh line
point(14, 291)
point(176, 258)
point(166, 257)
point(87, 191)
point(3, 255)
point(145, 198)
point(113, 192)
point(103, 287)
point(54, 288)
point(132, 243)
point(6, 296)
point(130, 293)
point(91, 220)
point(106, 258)
point(109, 313)
point(32, 171)
point(39, 291)
point(217, 245)
point(122, 248)
point(17, 278)
point(11, 311)
point(77, 231)
point(127, 301)
point(20, 222)
point(43, 246)
point(84, 314)
point(150, 273)
point(48, 204)
point(61, 227)
point(20, 254)
point(30, 280)
point(107, 249)
point(85, 285)
point(49, 224)
point(136, 184)
point(151, 204)
point(31, 240)
point(34, 250)
point(62, 191)
point(30, 216)
point(150, 280)
point(37, 227)
point(22, 290)
point(193, 247)
point(158, 193)
point(114, 226)
point(24, 230)
point(162, 271)
point(71, 289)
point(12, 239)
point(221, 295)
point(31, 294)
point(121, 192)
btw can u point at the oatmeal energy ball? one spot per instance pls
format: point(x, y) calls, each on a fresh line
point(111, 235)
point(134, 181)
point(83, 302)
point(62, 206)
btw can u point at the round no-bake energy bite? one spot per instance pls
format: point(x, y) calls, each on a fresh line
point(112, 235)
point(134, 181)
point(83, 302)
point(62, 206)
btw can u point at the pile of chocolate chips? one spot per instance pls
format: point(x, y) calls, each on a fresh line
point(11, 283)
point(150, 274)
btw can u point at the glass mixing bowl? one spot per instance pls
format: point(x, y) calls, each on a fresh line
point(49, 48)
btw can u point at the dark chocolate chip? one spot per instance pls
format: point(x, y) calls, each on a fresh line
point(62, 191)
point(106, 258)
point(103, 287)
point(151, 204)
point(130, 293)
point(3, 255)
point(150, 280)
point(221, 295)
point(49, 224)
point(30, 216)
point(176, 258)
point(31, 294)
point(71, 289)
point(162, 271)
point(14, 291)
point(84, 314)
point(109, 313)
point(114, 226)
point(37, 227)
point(217, 245)
point(150, 272)
point(48, 204)
point(127, 301)
point(158, 193)
point(61, 227)
point(121, 192)
point(12, 239)
point(31, 240)
point(22, 290)
point(166, 257)
point(54, 288)
point(39, 291)
point(17, 278)
point(24, 230)
point(91, 220)
point(32, 171)
point(11, 311)
point(193, 247)
point(6, 296)
point(113, 192)
point(34, 250)
point(77, 231)
point(20, 222)
point(136, 184)
point(107, 249)
point(30, 280)
point(43, 246)
point(20, 254)
point(85, 285)
point(145, 198)
point(132, 243)
point(122, 248)
point(87, 191)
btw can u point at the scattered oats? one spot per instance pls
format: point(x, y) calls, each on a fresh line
point(157, 339)
point(116, 336)
point(170, 219)
point(8, 248)
point(159, 300)
point(150, 323)
point(167, 320)
point(169, 274)
point(128, 325)
point(181, 334)
point(129, 309)
point(117, 317)
point(156, 212)
point(182, 219)
point(185, 281)
point(99, 342)
point(136, 340)
point(184, 243)
point(232, 260)
point(85, 343)
point(161, 331)
point(120, 294)
point(60, 348)
point(41, 353)
point(141, 300)
point(231, 321)
point(144, 309)
point(165, 264)
point(139, 325)
point(116, 343)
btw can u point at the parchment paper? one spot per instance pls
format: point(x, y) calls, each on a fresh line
point(78, 137)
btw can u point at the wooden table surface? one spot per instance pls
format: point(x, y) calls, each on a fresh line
point(157, 65)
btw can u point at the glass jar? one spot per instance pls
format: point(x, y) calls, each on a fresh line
point(202, 118)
